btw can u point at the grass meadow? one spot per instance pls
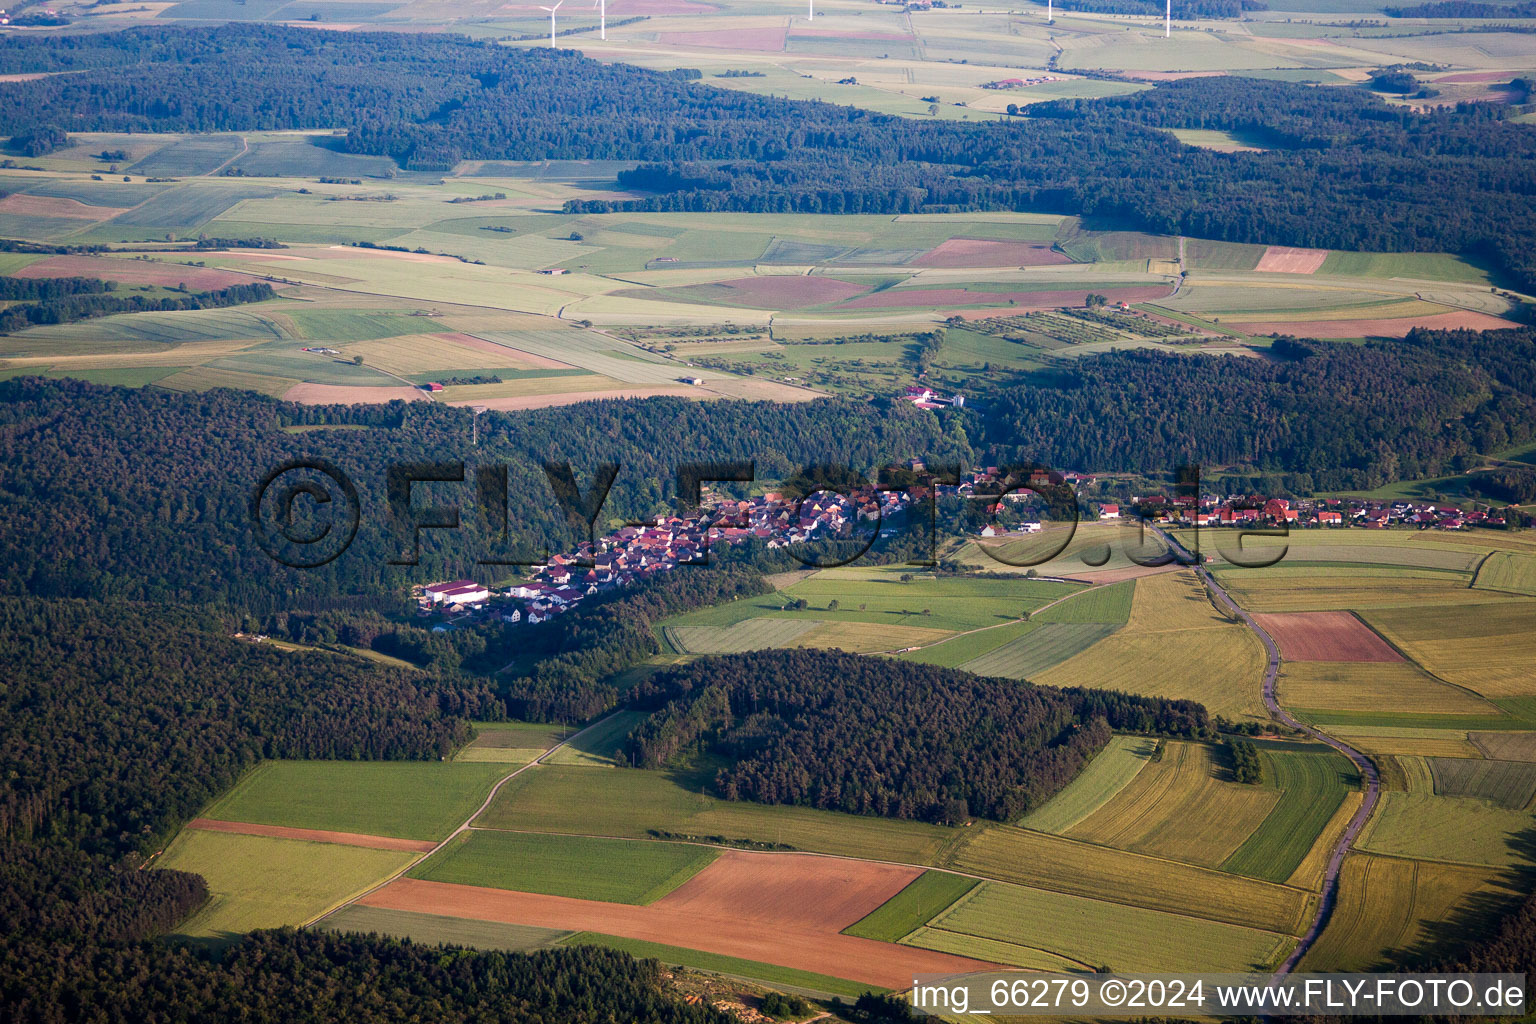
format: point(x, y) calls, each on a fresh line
point(1107, 774)
point(400, 799)
point(581, 867)
point(929, 895)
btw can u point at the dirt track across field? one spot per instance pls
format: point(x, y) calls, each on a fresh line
point(312, 835)
point(1325, 636)
point(785, 909)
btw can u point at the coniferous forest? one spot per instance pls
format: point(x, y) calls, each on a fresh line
point(842, 732)
point(1346, 171)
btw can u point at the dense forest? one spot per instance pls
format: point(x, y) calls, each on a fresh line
point(117, 724)
point(144, 493)
point(63, 306)
point(875, 736)
point(1356, 174)
point(1463, 9)
point(1328, 416)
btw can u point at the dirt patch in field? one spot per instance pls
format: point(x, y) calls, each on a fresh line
point(132, 272)
point(1394, 328)
point(350, 394)
point(784, 909)
point(514, 355)
point(312, 835)
point(943, 298)
point(24, 205)
point(776, 292)
point(1280, 259)
point(1325, 636)
point(980, 252)
point(770, 40)
point(572, 397)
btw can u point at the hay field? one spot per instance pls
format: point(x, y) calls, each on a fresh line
point(1132, 879)
point(1107, 774)
point(1157, 812)
point(581, 801)
point(1389, 907)
point(1510, 784)
point(1419, 742)
point(1508, 746)
point(1091, 933)
point(1325, 588)
point(1049, 644)
point(1510, 571)
point(1312, 787)
point(1488, 648)
point(581, 867)
point(749, 635)
point(1457, 830)
point(1175, 644)
point(258, 882)
point(1371, 686)
point(402, 799)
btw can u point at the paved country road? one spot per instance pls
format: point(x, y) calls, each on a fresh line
point(1364, 764)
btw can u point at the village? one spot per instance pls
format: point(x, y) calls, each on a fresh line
point(637, 552)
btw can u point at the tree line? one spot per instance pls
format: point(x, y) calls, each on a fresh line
point(1356, 174)
point(862, 735)
point(64, 306)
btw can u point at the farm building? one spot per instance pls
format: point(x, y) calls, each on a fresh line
point(455, 592)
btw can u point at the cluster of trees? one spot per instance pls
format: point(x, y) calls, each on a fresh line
point(1247, 766)
point(1464, 9)
point(1328, 417)
point(1359, 174)
point(872, 736)
point(1515, 484)
point(146, 492)
point(94, 298)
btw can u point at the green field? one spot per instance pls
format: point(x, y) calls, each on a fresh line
point(716, 963)
point(1312, 786)
point(929, 895)
point(748, 635)
point(1091, 933)
point(1488, 648)
point(437, 930)
point(637, 803)
point(581, 867)
point(1458, 830)
point(1101, 604)
point(600, 743)
point(401, 799)
point(1097, 872)
point(1107, 774)
point(1511, 571)
point(1509, 784)
point(1040, 649)
point(511, 742)
point(966, 647)
point(258, 882)
point(354, 325)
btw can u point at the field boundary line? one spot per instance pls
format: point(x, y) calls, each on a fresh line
point(464, 827)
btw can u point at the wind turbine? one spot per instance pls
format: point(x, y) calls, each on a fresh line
point(1168, 21)
point(810, 9)
point(552, 11)
point(602, 18)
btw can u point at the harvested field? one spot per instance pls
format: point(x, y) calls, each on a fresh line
point(1280, 259)
point(1507, 746)
point(868, 637)
point(1310, 872)
point(929, 895)
point(944, 298)
point(751, 635)
point(204, 378)
point(1090, 932)
point(244, 828)
point(1371, 686)
point(1040, 649)
point(20, 204)
point(1509, 784)
point(782, 909)
point(767, 39)
point(1325, 636)
point(1389, 328)
point(345, 394)
point(1107, 774)
point(1488, 648)
point(1388, 905)
point(1459, 830)
point(1152, 815)
point(1513, 572)
point(1131, 879)
point(980, 252)
point(774, 292)
point(1381, 740)
point(1312, 787)
point(133, 272)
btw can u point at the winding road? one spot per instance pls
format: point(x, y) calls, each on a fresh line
point(1367, 767)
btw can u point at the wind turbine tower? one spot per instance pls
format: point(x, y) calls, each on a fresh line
point(1049, 16)
point(810, 9)
point(1168, 21)
point(602, 19)
point(552, 11)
